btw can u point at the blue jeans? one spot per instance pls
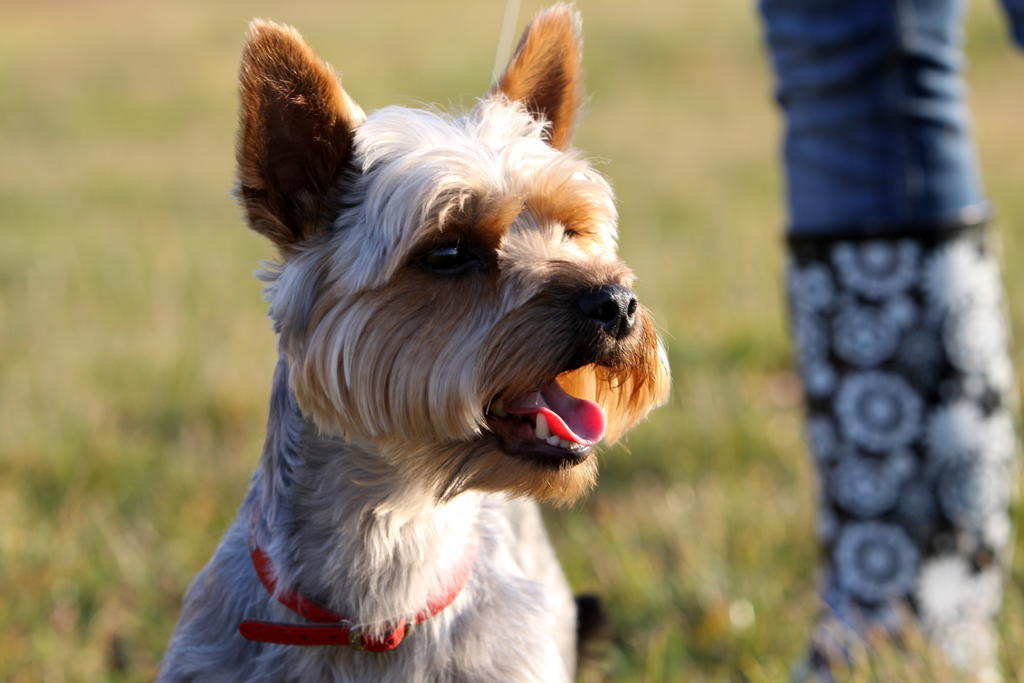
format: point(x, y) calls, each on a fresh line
point(877, 138)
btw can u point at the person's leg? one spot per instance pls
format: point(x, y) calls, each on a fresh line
point(902, 347)
point(898, 321)
point(876, 137)
point(1015, 18)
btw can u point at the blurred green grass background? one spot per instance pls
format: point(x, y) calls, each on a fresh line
point(135, 355)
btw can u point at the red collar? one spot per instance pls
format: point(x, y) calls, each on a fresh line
point(336, 629)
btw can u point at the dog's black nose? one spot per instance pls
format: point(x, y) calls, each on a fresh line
point(611, 306)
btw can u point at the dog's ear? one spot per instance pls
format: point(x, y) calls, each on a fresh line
point(295, 136)
point(546, 73)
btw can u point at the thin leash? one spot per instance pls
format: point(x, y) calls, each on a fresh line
point(504, 49)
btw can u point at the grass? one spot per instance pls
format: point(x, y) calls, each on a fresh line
point(137, 356)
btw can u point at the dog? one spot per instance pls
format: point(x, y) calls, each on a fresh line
point(456, 335)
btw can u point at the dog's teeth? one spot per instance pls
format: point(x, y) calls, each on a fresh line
point(553, 440)
point(565, 444)
point(541, 428)
point(499, 409)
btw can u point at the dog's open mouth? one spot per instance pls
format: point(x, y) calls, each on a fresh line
point(548, 424)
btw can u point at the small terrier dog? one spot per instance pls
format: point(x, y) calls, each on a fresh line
point(456, 334)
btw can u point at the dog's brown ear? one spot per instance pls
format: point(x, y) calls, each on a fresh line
point(546, 73)
point(294, 138)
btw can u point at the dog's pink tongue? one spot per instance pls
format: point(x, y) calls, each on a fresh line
point(570, 418)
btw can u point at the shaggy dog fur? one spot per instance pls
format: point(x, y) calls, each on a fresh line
point(456, 333)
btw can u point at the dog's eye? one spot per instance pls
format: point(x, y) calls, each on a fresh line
point(449, 260)
point(568, 234)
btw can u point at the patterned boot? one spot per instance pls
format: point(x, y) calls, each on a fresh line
point(902, 346)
